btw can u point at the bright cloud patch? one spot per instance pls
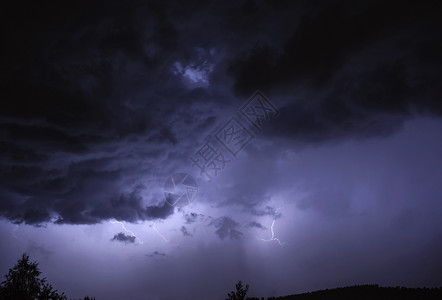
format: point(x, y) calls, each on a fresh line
point(197, 71)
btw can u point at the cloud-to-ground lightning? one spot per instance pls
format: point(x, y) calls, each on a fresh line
point(272, 227)
point(156, 230)
point(128, 231)
point(273, 238)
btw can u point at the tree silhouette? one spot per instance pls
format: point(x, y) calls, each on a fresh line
point(23, 283)
point(240, 292)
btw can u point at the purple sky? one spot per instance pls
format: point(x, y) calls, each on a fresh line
point(103, 102)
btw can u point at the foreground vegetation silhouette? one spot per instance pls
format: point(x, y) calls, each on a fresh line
point(240, 293)
point(23, 282)
point(360, 292)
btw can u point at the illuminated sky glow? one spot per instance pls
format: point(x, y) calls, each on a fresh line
point(105, 101)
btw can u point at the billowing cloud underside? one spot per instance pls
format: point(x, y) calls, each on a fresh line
point(111, 98)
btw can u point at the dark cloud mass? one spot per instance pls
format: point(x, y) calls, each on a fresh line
point(103, 100)
point(362, 70)
point(226, 228)
point(121, 237)
point(256, 225)
point(84, 93)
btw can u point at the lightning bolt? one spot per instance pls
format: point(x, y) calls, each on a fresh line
point(275, 215)
point(273, 238)
point(128, 231)
point(156, 230)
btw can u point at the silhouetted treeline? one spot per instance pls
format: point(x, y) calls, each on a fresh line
point(240, 293)
point(23, 282)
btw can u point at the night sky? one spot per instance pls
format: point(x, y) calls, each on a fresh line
point(168, 149)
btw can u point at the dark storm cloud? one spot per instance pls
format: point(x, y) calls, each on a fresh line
point(89, 196)
point(9, 152)
point(98, 100)
point(122, 237)
point(126, 207)
point(226, 228)
point(255, 224)
point(322, 44)
point(160, 211)
point(349, 71)
point(92, 108)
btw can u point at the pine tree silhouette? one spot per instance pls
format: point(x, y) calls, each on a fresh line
point(23, 283)
point(240, 292)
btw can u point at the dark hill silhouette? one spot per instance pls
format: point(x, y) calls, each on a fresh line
point(368, 292)
point(358, 292)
